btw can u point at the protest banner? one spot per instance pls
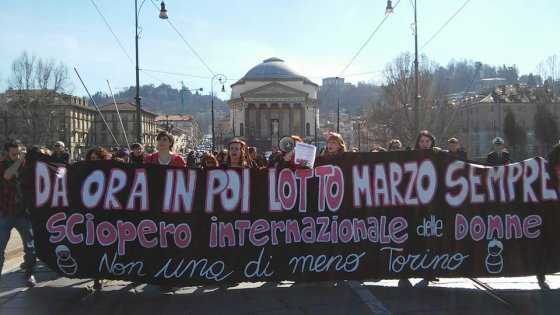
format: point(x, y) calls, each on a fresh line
point(357, 216)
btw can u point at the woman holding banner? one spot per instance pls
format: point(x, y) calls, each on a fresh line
point(137, 154)
point(208, 161)
point(425, 141)
point(164, 154)
point(97, 153)
point(335, 144)
point(237, 155)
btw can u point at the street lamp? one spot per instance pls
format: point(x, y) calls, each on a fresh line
point(337, 105)
point(222, 80)
point(316, 122)
point(389, 10)
point(183, 90)
point(233, 109)
point(163, 16)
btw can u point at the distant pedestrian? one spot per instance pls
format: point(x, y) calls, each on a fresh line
point(498, 156)
point(98, 153)
point(221, 156)
point(137, 155)
point(394, 145)
point(454, 149)
point(208, 161)
point(122, 155)
point(59, 153)
point(191, 160)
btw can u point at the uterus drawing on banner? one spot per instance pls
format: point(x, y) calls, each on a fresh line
point(64, 260)
point(494, 260)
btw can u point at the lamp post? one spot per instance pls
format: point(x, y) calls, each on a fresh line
point(222, 80)
point(183, 90)
point(337, 105)
point(233, 120)
point(389, 10)
point(162, 15)
point(316, 122)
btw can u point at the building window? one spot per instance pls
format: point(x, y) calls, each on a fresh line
point(241, 130)
point(308, 129)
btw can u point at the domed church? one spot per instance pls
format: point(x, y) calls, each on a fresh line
point(272, 101)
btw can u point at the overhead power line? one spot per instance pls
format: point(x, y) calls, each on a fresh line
point(119, 43)
point(366, 42)
point(445, 24)
point(177, 74)
point(111, 30)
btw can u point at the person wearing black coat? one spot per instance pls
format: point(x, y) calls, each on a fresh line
point(499, 156)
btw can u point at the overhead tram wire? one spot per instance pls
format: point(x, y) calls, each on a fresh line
point(117, 39)
point(111, 30)
point(445, 24)
point(432, 38)
point(359, 51)
point(177, 73)
point(366, 42)
point(185, 41)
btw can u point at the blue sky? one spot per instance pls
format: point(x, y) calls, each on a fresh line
point(315, 37)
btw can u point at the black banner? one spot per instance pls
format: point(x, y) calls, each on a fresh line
point(360, 216)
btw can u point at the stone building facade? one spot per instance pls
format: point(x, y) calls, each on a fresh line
point(272, 101)
point(42, 117)
point(127, 112)
point(479, 121)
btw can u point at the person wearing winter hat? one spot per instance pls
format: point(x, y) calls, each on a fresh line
point(499, 156)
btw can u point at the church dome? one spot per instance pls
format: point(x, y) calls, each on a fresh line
point(272, 68)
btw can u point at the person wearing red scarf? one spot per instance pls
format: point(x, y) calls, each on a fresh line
point(164, 154)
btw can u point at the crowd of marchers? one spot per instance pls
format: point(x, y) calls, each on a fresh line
point(14, 207)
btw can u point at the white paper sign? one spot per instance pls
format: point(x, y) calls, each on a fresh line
point(305, 154)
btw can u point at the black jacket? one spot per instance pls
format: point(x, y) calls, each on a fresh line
point(494, 158)
point(60, 157)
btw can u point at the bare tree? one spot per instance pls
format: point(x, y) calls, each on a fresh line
point(60, 79)
point(22, 77)
point(35, 85)
point(30, 72)
point(394, 117)
point(43, 73)
point(549, 69)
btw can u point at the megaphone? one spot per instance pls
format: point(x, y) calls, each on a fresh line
point(286, 144)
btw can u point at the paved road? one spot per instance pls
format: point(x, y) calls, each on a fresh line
point(13, 252)
point(58, 295)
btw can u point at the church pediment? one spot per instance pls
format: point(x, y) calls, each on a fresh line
point(274, 91)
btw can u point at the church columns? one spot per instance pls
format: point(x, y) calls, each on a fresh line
point(258, 125)
point(265, 131)
point(303, 120)
point(291, 116)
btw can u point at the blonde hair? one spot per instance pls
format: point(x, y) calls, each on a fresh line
point(338, 139)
